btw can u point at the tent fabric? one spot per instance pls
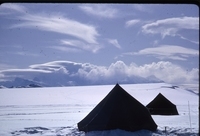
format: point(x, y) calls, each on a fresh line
point(118, 110)
point(160, 105)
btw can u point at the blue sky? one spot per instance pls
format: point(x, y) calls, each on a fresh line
point(146, 36)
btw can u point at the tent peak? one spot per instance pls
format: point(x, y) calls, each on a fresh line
point(161, 95)
point(160, 105)
point(118, 88)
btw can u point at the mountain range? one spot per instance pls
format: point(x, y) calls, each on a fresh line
point(48, 81)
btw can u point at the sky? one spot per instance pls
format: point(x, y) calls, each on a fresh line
point(142, 39)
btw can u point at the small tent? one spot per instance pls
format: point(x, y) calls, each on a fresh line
point(160, 105)
point(118, 110)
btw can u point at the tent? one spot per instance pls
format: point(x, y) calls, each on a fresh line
point(160, 105)
point(118, 110)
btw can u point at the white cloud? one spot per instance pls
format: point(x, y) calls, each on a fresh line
point(65, 49)
point(6, 66)
point(10, 71)
point(14, 7)
point(54, 65)
point(171, 26)
point(132, 22)
point(76, 44)
point(163, 70)
point(184, 38)
point(62, 71)
point(169, 72)
point(167, 52)
point(99, 10)
point(171, 57)
point(115, 43)
point(60, 24)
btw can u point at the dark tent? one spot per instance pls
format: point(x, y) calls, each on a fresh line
point(118, 110)
point(160, 105)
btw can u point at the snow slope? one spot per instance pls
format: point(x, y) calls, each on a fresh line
point(56, 110)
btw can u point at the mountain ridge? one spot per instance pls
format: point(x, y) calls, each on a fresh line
point(78, 81)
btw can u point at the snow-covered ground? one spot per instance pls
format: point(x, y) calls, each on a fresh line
point(55, 111)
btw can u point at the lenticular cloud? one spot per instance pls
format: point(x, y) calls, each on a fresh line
point(171, 26)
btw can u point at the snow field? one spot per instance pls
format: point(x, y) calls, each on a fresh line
point(57, 110)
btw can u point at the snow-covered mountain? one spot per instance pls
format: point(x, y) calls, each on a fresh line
point(49, 80)
point(20, 83)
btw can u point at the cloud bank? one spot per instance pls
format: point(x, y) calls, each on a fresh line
point(71, 73)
